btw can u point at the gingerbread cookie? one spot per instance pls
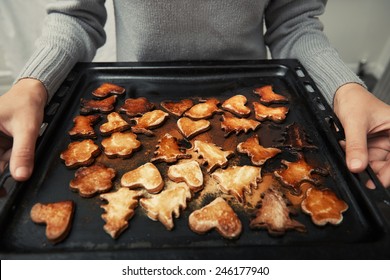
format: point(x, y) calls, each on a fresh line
point(89, 181)
point(146, 176)
point(190, 128)
point(324, 206)
point(274, 215)
point(115, 123)
point(232, 124)
point(107, 89)
point(81, 153)
point(57, 216)
point(106, 105)
point(257, 153)
point(268, 96)
point(206, 109)
point(166, 205)
point(136, 106)
point(168, 150)
point(216, 215)
point(188, 172)
point(83, 126)
point(212, 155)
point(148, 121)
point(236, 105)
point(238, 180)
point(121, 144)
point(177, 108)
point(118, 210)
point(275, 114)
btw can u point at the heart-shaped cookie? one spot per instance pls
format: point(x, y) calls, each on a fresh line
point(57, 216)
point(217, 215)
point(177, 108)
point(236, 105)
point(190, 128)
point(203, 110)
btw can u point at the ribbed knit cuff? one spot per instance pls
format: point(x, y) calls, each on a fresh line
point(50, 65)
point(329, 73)
point(323, 63)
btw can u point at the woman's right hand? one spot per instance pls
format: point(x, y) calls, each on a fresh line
point(21, 116)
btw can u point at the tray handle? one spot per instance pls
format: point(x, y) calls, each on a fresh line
point(9, 190)
point(4, 176)
point(379, 198)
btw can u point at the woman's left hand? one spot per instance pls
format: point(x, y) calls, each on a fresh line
point(366, 122)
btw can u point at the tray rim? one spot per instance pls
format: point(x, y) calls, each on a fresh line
point(288, 64)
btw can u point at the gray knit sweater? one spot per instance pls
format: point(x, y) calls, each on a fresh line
point(152, 30)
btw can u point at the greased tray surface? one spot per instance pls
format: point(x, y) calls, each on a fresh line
point(362, 234)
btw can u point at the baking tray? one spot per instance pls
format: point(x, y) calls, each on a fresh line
point(364, 232)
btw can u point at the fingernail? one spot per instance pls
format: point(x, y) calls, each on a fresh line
point(370, 185)
point(355, 163)
point(22, 172)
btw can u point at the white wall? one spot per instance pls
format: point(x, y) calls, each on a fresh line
point(359, 29)
point(21, 22)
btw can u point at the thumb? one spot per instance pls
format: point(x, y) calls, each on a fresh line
point(356, 145)
point(22, 155)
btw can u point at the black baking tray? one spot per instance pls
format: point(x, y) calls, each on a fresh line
point(363, 234)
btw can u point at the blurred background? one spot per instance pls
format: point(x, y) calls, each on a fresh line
point(358, 29)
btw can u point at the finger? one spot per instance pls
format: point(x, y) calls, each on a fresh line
point(377, 165)
point(377, 154)
point(22, 155)
point(356, 146)
point(382, 170)
point(342, 144)
point(382, 143)
point(384, 175)
point(370, 185)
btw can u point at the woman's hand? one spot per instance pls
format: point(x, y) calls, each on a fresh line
point(21, 116)
point(366, 122)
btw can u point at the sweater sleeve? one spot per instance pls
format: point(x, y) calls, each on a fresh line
point(72, 32)
point(294, 31)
